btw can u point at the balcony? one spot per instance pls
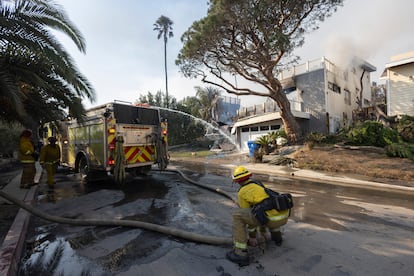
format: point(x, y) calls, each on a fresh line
point(267, 107)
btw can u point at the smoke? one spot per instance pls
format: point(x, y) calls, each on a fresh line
point(371, 30)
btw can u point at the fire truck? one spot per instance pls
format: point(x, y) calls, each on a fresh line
point(112, 139)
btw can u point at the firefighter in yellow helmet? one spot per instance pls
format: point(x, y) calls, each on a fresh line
point(27, 156)
point(50, 159)
point(251, 194)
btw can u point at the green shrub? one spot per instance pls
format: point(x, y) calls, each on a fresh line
point(402, 150)
point(405, 128)
point(264, 142)
point(315, 138)
point(9, 139)
point(281, 133)
point(370, 133)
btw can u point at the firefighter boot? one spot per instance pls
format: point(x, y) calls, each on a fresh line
point(238, 256)
point(277, 237)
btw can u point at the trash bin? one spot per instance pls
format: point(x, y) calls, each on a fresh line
point(252, 147)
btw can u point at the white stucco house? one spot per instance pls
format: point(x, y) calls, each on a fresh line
point(399, 77)
point(323, 97)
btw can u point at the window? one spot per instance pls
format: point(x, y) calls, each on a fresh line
point(346, 75)
point(245, 129)
point(274, 127)
point(263, 128)
point(334, 87)
point(289, 89)
point(347, 97)
point(254, 128)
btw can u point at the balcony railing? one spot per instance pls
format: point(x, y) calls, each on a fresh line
point(266, 107)
point(306, 67)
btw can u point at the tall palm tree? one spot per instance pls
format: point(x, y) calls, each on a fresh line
point(37, 75)
point(163, 26)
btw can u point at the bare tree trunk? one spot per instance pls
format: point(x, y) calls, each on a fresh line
point(166, 74)
point(289, 121)
point(359, 99)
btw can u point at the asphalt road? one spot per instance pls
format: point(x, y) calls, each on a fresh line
point(333, 230)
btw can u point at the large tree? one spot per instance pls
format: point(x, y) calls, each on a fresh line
point(38, 79)
point(163, 26)
point(254, 39)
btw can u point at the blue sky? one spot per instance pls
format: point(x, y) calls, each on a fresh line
point(124, 58)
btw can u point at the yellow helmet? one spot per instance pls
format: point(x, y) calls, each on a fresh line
point(240, 174)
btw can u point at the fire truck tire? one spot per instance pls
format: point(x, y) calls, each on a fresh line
point(83, 168)
point(118, 222)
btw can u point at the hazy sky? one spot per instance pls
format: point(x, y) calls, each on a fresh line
point(124, 58)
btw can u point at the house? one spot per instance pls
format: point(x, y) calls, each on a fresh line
point(227, 110)
point(399, 77)
point(322, 95)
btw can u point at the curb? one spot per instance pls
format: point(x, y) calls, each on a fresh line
point(12, 247)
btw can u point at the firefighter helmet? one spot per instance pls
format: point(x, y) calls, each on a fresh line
point(240, 174)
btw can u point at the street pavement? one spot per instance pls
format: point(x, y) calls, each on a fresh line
point(12, 247)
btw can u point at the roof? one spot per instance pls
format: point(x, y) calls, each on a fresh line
point(398, 61)
point(268, 117)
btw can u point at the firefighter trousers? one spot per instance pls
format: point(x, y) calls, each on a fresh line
point(28, 174)
point(243, 217)
point(50, 171)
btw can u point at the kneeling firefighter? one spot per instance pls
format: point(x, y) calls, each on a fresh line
point(257, 209)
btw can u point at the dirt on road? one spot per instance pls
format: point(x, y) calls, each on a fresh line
point(365, 163)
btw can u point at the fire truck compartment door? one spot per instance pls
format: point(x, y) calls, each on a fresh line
point(136, 134)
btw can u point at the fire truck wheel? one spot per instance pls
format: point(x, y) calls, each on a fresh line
point(83, 168)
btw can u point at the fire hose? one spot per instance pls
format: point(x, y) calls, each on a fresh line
point(119, 169)
point(179, 233)
point(216, 190)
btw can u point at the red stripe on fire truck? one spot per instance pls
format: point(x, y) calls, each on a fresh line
point(139, 154)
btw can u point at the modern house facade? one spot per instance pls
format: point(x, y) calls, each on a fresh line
point(322, 95)
point(399, 77)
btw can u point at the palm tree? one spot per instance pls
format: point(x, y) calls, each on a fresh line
point(209, 100)
point(163, 26)
point(37, 75)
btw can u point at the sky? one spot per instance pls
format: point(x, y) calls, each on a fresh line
point(124, 59)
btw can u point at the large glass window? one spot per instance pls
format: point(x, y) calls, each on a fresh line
point(245, 129)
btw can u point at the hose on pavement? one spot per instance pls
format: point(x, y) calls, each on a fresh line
point(216, 190)
point(118, 222)
point(133, 223)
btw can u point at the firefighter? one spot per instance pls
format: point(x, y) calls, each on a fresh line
point(27, 156)
point(251, 194)
point(50, 159)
